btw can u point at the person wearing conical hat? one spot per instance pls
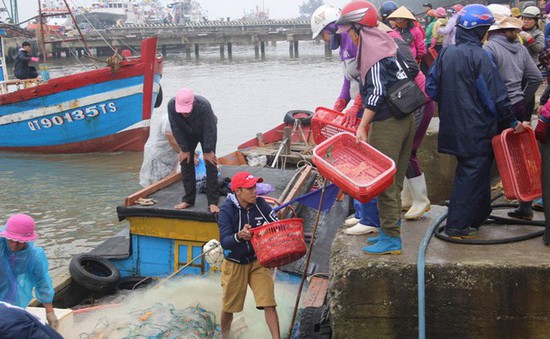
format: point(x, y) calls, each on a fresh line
point(412, 33)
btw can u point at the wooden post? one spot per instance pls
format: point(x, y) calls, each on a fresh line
point(196, 51)
point(262, 49)
point(230, 51)
point(328, 51)
point(222, 51)
point(257, 50)
point(187, 49)
point(287, 134)
point(296, 48)
point(163, 47)
point(291, 49)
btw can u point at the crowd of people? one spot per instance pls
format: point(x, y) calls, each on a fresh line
point(479, 63)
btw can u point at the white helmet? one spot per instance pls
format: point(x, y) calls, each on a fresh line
point(498, 9)
point(322, 17)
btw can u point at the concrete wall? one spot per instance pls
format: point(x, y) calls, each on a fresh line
point(438, 168)
point(472, 291)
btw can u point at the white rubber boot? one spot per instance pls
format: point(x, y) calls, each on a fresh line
point(351, 221)
point(361, 229)
point(406, 196)
point(421, 203)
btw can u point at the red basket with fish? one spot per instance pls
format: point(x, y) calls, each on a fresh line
point(357, 168)
point(327, 122)
point(279, 243)
point(519, 164)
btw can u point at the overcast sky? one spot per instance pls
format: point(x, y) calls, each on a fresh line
point(278, 9)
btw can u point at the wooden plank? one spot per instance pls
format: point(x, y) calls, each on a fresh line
point(169, 180)
point(293, 193)
point(316, 292)
point(234, 158)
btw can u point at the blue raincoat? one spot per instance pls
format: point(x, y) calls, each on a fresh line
point(471, 95)
point(23, 271)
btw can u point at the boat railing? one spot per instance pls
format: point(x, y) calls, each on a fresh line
point(10, 86)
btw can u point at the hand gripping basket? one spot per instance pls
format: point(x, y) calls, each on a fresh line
point(326, 123)
point(358, 169)
point(279, 243)
point(519, 164)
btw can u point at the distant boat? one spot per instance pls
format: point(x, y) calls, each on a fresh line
point(102, 110)
point(56, 21)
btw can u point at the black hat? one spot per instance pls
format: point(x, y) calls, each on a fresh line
point(427, 4)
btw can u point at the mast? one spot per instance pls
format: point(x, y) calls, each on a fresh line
point(42, 35)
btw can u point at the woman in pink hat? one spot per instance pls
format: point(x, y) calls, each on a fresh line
point(24, 267)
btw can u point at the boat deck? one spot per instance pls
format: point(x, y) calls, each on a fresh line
point(171, 195)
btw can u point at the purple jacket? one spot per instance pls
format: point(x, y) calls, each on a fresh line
point(348, 51)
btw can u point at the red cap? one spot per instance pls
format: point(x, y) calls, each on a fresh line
point(244, 180)
point(184, 101)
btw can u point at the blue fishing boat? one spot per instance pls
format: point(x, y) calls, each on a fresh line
point(102, 110)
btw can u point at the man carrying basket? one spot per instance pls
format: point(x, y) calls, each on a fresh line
point(241, 212)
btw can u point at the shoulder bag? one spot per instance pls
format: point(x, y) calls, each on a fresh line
point(404, 97)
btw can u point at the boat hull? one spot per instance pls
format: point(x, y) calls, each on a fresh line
point(95, 111)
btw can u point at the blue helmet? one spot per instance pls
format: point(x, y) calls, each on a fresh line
point(387, 8)
point(473, 16)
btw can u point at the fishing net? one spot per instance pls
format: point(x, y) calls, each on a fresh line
point(158, 321)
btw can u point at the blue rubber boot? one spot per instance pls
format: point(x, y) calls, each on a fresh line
point(373, 240)
point(538, 205)
point(384, 245)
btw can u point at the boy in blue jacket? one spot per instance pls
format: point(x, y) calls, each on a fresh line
point(241, 212)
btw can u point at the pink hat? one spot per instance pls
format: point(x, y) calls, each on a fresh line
point(440, 12)
point(184, 101)
point(20, 227)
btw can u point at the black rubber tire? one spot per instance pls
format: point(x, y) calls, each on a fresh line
point(303, 116)
point(158, 102)
point(129, 283)
point(94, 273)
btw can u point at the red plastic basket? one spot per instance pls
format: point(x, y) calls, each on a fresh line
point(357, 168)
point(519, 163)
point(279, 243)
point(326, 123)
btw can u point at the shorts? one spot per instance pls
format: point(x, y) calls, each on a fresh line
point(235, 281)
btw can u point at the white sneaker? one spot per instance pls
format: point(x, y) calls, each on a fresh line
point(351, 221)
point(361, 229)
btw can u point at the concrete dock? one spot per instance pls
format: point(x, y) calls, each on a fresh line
point(472, 291)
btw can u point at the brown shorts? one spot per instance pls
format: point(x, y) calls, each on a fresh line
point(235, 281)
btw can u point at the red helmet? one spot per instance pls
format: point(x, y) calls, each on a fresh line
point(359, 12)
point(457, 7)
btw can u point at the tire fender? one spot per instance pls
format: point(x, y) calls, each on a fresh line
point(303, 116)
point(94, 272)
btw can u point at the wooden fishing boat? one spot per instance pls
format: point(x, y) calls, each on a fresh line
point(102, 110)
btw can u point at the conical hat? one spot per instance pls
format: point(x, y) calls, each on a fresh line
point(504, 22)
point(403, 13)
point(383, 27)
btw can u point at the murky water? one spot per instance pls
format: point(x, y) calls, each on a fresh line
point(73, 197)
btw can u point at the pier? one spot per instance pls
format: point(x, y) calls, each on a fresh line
point(190, 37)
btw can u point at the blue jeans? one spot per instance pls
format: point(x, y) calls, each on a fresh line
point(367, 213)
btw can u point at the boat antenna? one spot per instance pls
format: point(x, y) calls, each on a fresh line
point(79, 32)
point(42, 35)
